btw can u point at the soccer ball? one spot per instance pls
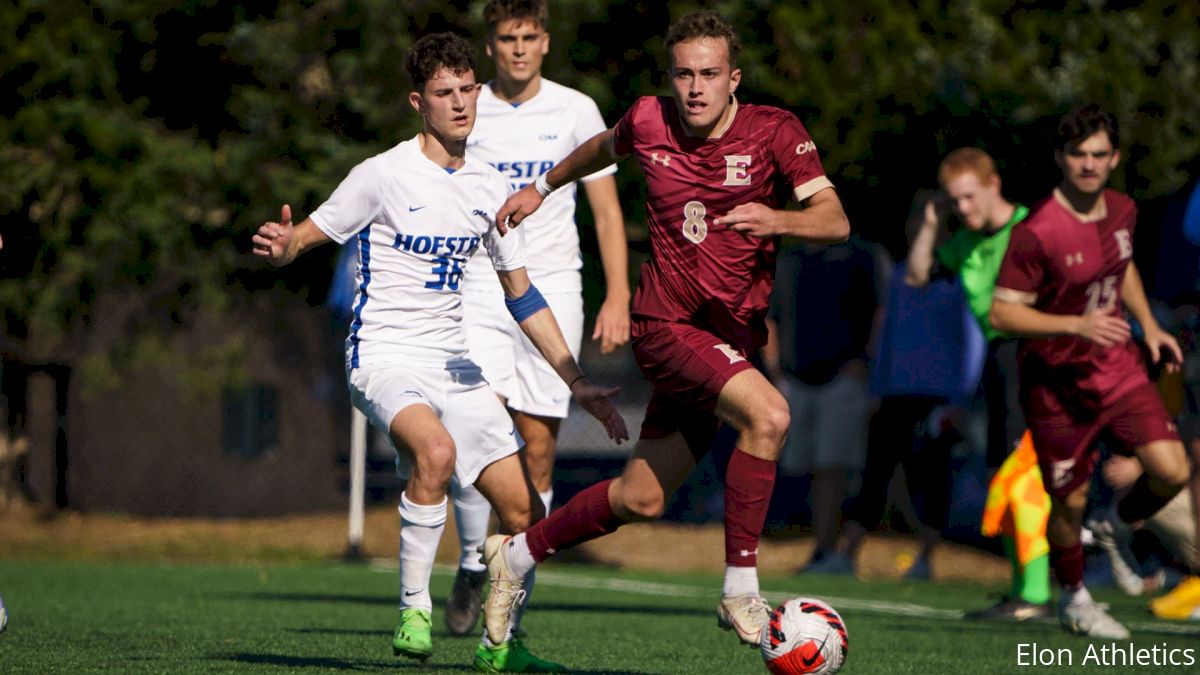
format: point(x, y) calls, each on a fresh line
point(804, 635)
point(3, 616)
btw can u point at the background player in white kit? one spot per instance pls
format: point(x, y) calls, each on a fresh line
point(526, 125)
point(417, 213)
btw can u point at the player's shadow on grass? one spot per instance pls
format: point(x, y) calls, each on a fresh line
point(374, 632)
point(287, 661)
point(317, 597)
point(663, 610)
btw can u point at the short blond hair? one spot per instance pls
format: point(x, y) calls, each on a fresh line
point(967, 160)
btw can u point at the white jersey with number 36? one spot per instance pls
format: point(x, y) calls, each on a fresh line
point(415, 226)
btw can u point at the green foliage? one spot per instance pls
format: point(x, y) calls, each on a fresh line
point(143, 142)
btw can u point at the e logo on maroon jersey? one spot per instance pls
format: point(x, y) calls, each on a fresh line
point(737, 169)
point(1124, 243)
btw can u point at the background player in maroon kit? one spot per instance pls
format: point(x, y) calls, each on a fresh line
point(718, 174)
point(1068, 269)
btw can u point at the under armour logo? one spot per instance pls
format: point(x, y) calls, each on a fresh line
point(664, 160)
point(1075, 258)
point(746, 554)
point(1172, 428)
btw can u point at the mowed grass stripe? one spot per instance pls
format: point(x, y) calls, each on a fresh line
point(565, 578)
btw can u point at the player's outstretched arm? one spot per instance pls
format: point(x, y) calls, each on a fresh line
point(612, 321)
point(280, 243)
point(1100, 326)
point(537, 321)
point(595, 154)
point(821, 221)
point(1162, 345)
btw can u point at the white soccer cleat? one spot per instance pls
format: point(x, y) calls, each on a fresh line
point(1090, 619)
point(745, 615)
point(505, 593)
point(1113, 537)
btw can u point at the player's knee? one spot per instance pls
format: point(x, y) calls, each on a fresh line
point(1176, 475)
point(436, 460)
point(1169, 466)
point(641, 504)
point(772, 422)
point(516, 520)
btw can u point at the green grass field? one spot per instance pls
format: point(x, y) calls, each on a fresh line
point(141, 618)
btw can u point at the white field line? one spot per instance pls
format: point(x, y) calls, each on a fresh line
point(571, 580)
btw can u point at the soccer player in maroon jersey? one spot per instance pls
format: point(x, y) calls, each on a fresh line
point(718, 174)
point(1068, 269)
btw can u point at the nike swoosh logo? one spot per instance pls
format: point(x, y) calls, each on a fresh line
point(409, 594)
point(416, 208)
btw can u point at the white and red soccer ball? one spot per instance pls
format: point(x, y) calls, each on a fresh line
point(804, 635)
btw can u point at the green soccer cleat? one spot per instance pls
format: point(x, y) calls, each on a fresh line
point(414, 635)
point(513, 657)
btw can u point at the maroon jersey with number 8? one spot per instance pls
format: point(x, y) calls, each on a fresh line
point(1059, 264)
point(698, 273)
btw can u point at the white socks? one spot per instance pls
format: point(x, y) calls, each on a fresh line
point(471, 513)
point(420, 531)
point(740, 581)
point(516, 553)
point(547, 497)
point(1076, 597)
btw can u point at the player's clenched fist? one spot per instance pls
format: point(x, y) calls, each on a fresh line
point(273, 241)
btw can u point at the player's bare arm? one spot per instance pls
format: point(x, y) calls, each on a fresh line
point(1162, 345)
point(822, 219)
point(920, 254)
point(595, 154)
point(542, 330)
point(612, 321)
point(1018, 319)
point(280, 243)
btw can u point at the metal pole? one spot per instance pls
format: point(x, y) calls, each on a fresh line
point(358, 479)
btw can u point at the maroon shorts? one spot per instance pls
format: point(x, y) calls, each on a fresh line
point(1066, 447)
point(688, 367)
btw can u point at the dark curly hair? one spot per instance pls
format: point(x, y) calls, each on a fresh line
point(1077, 125)
point(436, 51)
point(704, 24)
point(534, 11)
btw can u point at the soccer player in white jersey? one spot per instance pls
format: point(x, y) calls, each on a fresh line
point(417, 213)
point(525, 125)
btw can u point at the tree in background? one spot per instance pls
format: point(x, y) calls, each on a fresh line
point(136, 134)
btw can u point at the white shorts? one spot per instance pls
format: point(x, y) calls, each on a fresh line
point(829, 425)
point(481, 428)
point(510, 362)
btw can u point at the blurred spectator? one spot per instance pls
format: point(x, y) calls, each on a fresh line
point(971, 199)
point(971, 206)
point(822, 312)
point(930, 355)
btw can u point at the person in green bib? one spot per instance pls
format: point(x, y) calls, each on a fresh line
point(971, 198)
